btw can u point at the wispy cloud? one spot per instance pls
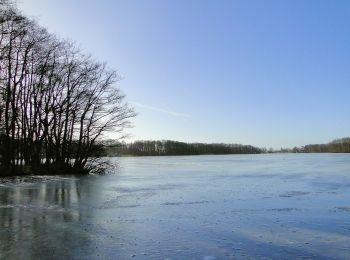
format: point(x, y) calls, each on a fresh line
point(161, 110)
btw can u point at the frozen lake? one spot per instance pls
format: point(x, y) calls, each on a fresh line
point(292, 206)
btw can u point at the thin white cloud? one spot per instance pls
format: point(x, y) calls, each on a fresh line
point(161, 110)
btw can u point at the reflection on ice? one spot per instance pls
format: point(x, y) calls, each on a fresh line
point(33, 213)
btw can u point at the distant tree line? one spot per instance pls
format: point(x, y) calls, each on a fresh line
point(341, 145)
point(55, 101)
point(337, 146)
point(167, 147)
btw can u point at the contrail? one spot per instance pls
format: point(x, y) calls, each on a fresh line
point(161, 110)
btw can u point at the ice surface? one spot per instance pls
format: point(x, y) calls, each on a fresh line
point(289, 206)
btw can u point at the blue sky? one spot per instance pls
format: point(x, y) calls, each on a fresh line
point(266, 73)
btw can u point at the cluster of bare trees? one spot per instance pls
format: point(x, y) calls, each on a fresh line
point(55, 101)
